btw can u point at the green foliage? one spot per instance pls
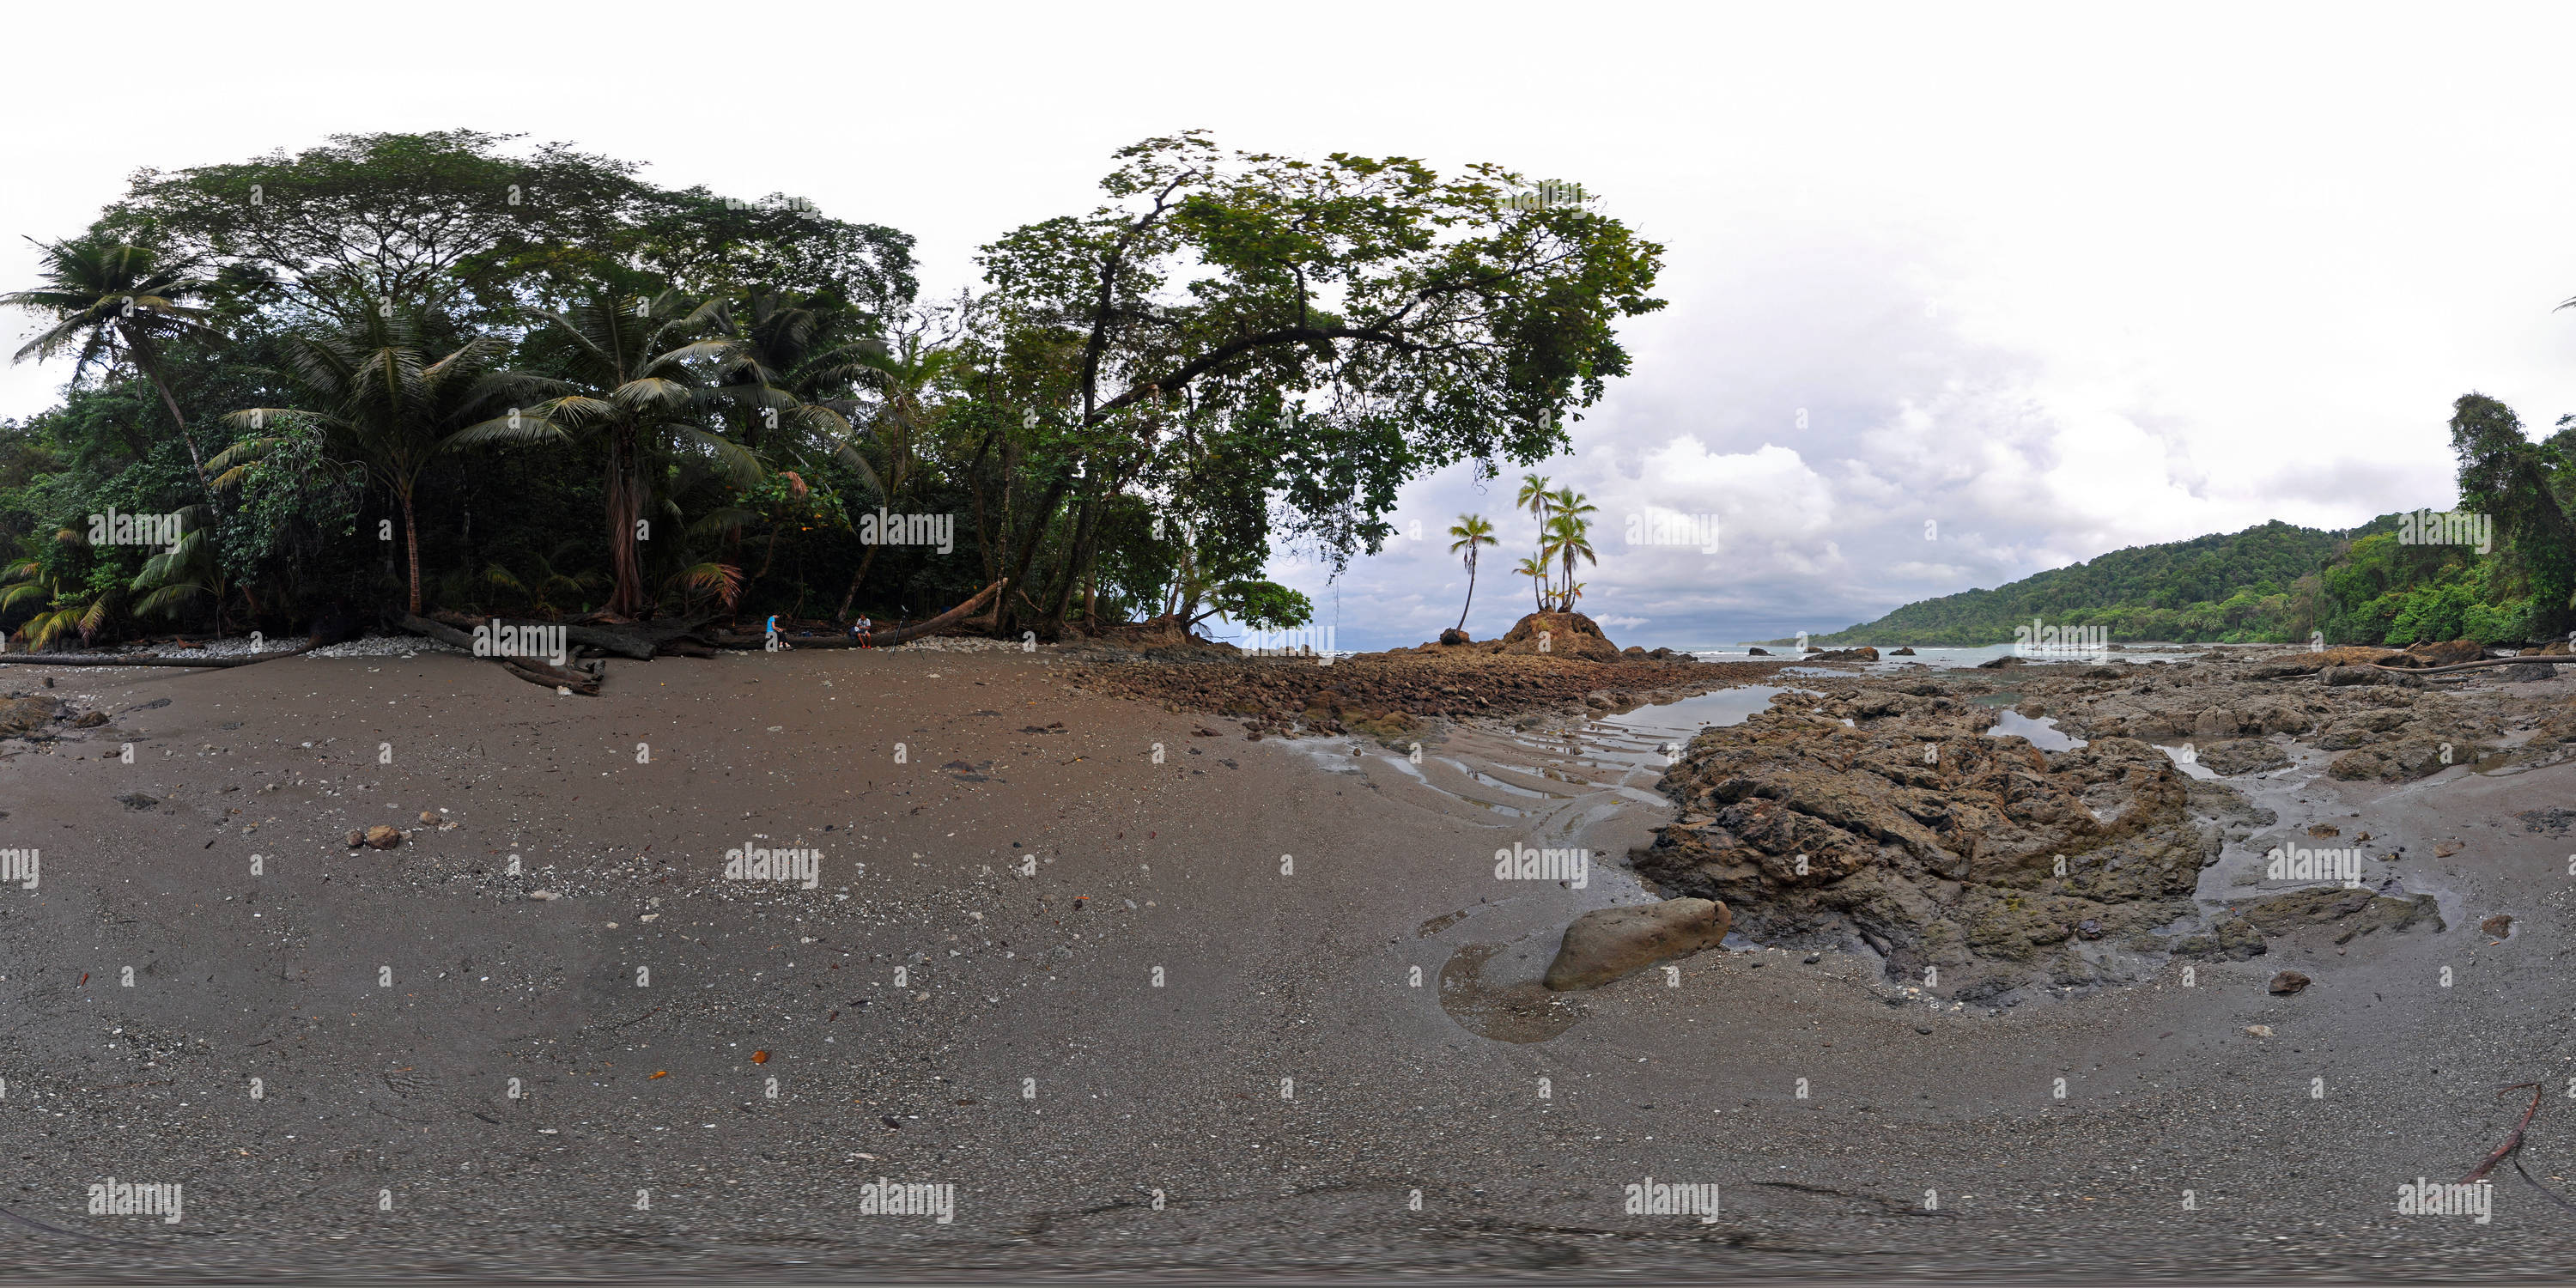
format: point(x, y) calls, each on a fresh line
point(1264, 605)
point(456, 366)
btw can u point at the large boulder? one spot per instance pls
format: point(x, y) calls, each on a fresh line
point(1563, 635)
point(1614, 943)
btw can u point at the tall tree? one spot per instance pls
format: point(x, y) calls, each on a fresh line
point(112, 303)
point(2504, 474)
point(381, 400)
point(1357, 320)
point(632, 392)
point(1472, 531)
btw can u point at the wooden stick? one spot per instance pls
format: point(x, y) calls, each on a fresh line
point(203, 663)
point(2510, 1142)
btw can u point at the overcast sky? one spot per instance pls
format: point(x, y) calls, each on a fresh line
point(2057, 279)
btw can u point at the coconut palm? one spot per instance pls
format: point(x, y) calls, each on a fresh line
point(1472, 531)
point(903, 378)
point(112, 303)
point(1568, 539)
point(386, 404)
point(1569, 535)
point(634, 394)
point(1534, 567)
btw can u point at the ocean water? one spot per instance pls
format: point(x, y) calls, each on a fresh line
point(1948, 656)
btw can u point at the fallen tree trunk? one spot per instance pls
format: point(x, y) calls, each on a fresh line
point(642, 641)
point(2554, 659)
point(203, 663)
point(882, 639)
point(528, 669)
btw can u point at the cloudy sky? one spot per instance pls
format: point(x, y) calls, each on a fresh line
point(2050, 280)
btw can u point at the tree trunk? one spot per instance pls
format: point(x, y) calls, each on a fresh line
point(1039, 520)
point(1471, 591)
point(411, 543)
point(625, 507)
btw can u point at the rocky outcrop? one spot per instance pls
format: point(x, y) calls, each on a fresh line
point(1566, 635)
point(1613, 943)
point(1974, 858)
point(2242, 756)
point(2448, 653)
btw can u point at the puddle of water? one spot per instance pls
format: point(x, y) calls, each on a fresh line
point(2042, 732)
point(1690, 715)
point(2190, 767)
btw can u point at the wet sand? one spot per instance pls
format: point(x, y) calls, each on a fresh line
point(1191, 1040)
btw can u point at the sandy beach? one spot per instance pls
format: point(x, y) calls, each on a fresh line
point(1151, 996)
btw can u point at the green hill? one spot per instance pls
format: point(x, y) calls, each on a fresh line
point(2271, 582)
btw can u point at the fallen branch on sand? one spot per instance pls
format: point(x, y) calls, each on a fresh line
point(2514, 1142)
point(2552, 660)
point(2511, 1142)
point(531, 670)
point(882, 639)
point(139, 659)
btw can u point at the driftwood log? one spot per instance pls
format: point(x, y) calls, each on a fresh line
point(2552, 659)
point(585, 683)
point(881, 639)
point(641, 641)
point(145, 659)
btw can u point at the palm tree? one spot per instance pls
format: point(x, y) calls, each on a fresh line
point(385, 404)
point(1535, 497)
point(904, 378)
point(639, 400)
point(1569, 535)
point(1472, 531)
point(1535, 568)
point(68, 604)
point(1568, 538)
point(111, 302)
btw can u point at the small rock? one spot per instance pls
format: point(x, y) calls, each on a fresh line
point(1922, 1028)
point(1813, 958)
point(428, 817)
point(2258, 1030)
point(2497, 926)
point(379, 837)
point(2289, 981)
point(137, 800)
point(2090, 928)
point(90, 720)
point(544, 896)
